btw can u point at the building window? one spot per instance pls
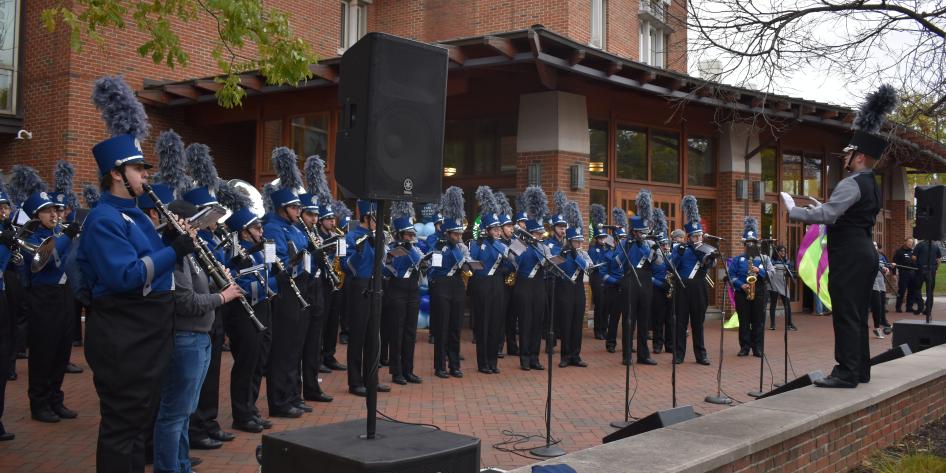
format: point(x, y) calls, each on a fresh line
point(353, 18)
point(791, 173)
point(767, 226)
point(665, 157)
point(598, 138)
point(813, 175)
point(631, 153)
point(599, 23)
point(308, 135)
point(652, 49)
point(477, 147)
point(9, 46)
point(769, 169)
point(701, 161)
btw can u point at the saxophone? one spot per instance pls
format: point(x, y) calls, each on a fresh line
point(751, 280)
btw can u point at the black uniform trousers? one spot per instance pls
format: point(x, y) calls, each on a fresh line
point(7, 328)
point(905, 288)
point(312, 344)
point(486, 295)
point(128, 346)
point(300, 335)
point(660, 307)
point(402, 306)
point(50, 340)
point(925, 277)
point(512, 319)
point(570, 312)
point(530, 300)
point(597, 299)
point(18, 306)
point(247, 348)
point(203, 421)
point(447, 299)
point(635, 300)
point(614, 307)
point(335, 307)
point(751, 319)
point(363, 342)
point(852, 255)
point(691, 309)
point(288, 327)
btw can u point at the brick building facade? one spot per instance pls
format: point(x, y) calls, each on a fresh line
point(597, 86)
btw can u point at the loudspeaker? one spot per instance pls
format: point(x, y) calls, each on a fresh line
point(397, 448)
point(899, 351)
point(799, 382)
point(654, 421)
point(389, 146)
point(918, 334)
point(930, 205)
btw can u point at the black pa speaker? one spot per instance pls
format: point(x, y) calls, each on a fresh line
point(930, 205)
point(654, 421)
point(918, 334)
point(397, 448)
point(392, 92)
point(799, 382)
point(898, 351)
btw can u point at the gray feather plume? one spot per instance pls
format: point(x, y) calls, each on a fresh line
point(172, 170)
point(502, 203)
point(560, 201)
point(315, 181)
point(267, 195)
point(536, 203)
point(691, 211)
point(619, 217)
point(24, 181)
point(121, 110)
point(340, 210)
point(285, 163)
point(660, 222)
point(484, 197)
point(645, 206)
point(452, 203)
point(573, 215)
point(231, 197)
point(599, 216)
point(521, 202)
point(401, 209)
point(62, 177)
point(91, 195)
point(750, 223)
point(200, 166)
point(875, 108)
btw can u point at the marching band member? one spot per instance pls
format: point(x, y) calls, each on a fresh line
point(330, 213)
point(555, 242)
point(570, 296)
point(660, 300)
point(639, 253)
point(7, 327)
point(530, 293)
point(779, 278)
point(486, 285)
point(597, 252)
point(507, 270)
point(749, 294)
point(66, 202)
point(691, 264)
point(447, 292)
point(402, 294)
point(618, 303)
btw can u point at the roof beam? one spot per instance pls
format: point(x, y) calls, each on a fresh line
point(252, 82)
point(455, 53)
point(829, 114)
point(676, 84)
point(500, 45)
point(645, 77)
point(208, 85)
point(325, 72)
point(547, 75)
point(577, 56)
point(614, 67)
point(155, 97)
point(182, 90)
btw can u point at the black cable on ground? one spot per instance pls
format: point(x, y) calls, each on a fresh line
point(513, 444)
point(391, 419)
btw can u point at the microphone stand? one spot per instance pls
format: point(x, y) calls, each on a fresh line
point(790, 278)
point(760, 392)
point(721, 398)
point(625, 331)
point(549, 449)
point(673, 326)
point(372, 349)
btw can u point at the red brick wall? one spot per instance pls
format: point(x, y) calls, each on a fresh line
point(899, 228)
point(846, 442)
point(556, 175)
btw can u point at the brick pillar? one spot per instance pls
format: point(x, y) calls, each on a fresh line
point(898, 202)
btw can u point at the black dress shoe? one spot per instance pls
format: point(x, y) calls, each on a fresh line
point(343, 339)
point(536, 366)
point(320, 397)
point(303, 407)
point(647, 361)
point(500, 355)
point(384, 388)
point(71, 368)
point(610, 348)
point(21, 355)
point(264, 422)
point(291, 413)
point(757, 354)
point(513, 352)
point(626, 362)
point(206, 443)
point(64, 412)
point(456, 373)
point(832, 382)
point(658, 350)
point(324, 369)
point(45, 415)
point(579, 363)
point(250, 426)
point(222, 436)
point(400, 380)
point(703, 361)
point(563, 364)
point(77, 343)
point(383, 362)
point(7, 436)
point(743, 352)
point(194, 461)
point(430, 339)
point(792, 327)
point(678, 361)
point(524, 367)
point(485, 370)
point(336, 366)
point(441, 374)
point(413, 378)
point(495, 369)
point(359, 391)
point(12, 376)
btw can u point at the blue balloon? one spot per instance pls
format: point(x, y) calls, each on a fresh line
point(423, 320)
point(425, 303)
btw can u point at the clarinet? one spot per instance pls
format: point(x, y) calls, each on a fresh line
point(292, 283)
point(205, 259)
point(316, 243)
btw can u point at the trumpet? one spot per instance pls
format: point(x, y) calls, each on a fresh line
point(316, 243)
point(205, 259)
point(42, 251)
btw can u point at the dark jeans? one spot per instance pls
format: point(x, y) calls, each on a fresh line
point(774, 299)
point(203, 421)
point(179, 395)
point(927, 278)
point(906, 289)
point(878, 308)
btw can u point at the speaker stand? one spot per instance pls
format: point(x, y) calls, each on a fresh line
point(549, 450)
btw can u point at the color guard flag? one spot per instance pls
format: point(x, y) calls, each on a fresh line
point(813, 262)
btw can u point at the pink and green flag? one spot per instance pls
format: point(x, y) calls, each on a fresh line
point(813, 262)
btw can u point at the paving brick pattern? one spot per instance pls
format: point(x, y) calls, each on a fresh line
point(585, 400)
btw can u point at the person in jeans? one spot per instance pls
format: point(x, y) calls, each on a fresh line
point(878, 298)
point(194, 306)
point(780, 274)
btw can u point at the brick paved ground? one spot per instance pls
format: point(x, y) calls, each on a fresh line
point(586, 400)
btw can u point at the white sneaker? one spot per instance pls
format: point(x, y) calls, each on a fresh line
point(878, 333)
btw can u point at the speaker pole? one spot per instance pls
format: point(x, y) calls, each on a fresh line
point(550, 449)
point(673, 325)
point(721, 398)
point(372, 349)
point(627, 340)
